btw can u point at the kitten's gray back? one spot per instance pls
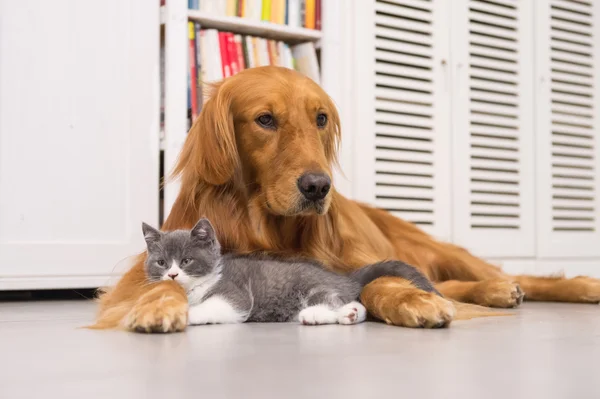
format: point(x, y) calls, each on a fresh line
point(281, 288)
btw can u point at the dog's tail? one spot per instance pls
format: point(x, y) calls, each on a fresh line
point(393, 268)
point(467, 311)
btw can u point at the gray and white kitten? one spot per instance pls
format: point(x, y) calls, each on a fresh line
point(238, 288)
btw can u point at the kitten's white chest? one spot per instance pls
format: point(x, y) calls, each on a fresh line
point(200, 287)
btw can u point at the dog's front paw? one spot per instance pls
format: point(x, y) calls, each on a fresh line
point(398, 302)
point(160, 310)
point(497, 294)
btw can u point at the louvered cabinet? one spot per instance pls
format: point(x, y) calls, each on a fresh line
point(567, 78)
point(402, 141)
point(492, 127)
point(478, 120)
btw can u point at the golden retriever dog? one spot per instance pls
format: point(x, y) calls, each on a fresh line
point(258, 163)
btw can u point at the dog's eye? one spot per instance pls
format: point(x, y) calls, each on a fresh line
point(186, 261)
point(321, 120)
point(160, 262)
point(267, 121)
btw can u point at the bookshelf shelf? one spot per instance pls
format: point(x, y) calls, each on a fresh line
point(246, 26)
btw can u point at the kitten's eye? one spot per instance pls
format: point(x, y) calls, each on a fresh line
point(160, 262)
point(321, 120)
point(186, 261)
point(266, 120)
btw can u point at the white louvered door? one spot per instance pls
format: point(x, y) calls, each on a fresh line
point(402, 49)
point(568, 128)
point(492, 127)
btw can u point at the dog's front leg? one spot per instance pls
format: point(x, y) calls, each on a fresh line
point(397, 301)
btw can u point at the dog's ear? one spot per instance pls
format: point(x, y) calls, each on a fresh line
point(210, 151)
point(332, 142)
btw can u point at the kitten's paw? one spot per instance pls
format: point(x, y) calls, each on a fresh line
point(318, 314)
point(160, 310)
point(352, 313)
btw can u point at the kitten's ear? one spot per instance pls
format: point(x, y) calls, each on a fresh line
point(151, 235)
point(203, 231)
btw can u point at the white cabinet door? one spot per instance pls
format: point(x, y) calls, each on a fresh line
point(568, 128)
point(493, 130)
point(78, 138)
point(402, 120)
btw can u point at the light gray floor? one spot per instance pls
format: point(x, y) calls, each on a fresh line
point(545, 351)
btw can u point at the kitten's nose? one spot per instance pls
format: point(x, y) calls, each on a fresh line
point(173, 275)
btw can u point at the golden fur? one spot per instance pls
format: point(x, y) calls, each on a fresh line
point(243, 178)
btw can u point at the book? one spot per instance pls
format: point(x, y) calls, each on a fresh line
point(193, 71)
point(318, 5)
point(214, 66)
point(240, 8)
point(214, 7)
point(231, 8)
point(293, 10)
point(199, 77)
point(277, 11)
point(204, 77)
point(264, 52)
point(254, 9)
point(302, 12)
point(309, 21)
point(256, 52)
point(232, 54)
point(226, 67)
point(249, 52)
point(273, 52)
point(305, 56)
point(266, 10)
point(281, 54)
point(239, 49)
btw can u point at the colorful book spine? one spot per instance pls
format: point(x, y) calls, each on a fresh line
point(293, 13)
point(302, 12)
point(309, 21)
point(239, 49)
point(249, 52)
point(231, 8)
point(266, 10)
point(199, 76)
point(232, 54)
point(193, 70)
point(318, 6)
point(226, 67)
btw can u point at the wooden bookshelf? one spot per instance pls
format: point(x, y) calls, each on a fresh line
point(246, 26)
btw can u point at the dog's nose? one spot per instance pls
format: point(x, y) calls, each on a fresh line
point(314, 186)
point(173, 275)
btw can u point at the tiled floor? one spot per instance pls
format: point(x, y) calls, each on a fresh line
point(545, 351)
